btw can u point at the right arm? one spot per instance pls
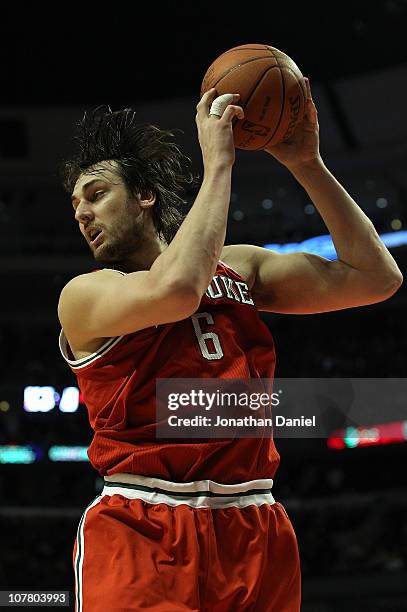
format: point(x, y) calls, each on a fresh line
point(107, 304)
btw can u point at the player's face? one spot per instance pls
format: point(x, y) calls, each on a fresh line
point(110, 220)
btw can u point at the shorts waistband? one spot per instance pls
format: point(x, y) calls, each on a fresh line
point(197, 494)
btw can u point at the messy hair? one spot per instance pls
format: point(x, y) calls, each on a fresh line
point(147, 159)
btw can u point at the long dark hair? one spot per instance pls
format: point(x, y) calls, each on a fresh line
point(147, 159)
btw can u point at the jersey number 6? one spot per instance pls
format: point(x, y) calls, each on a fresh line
point(207, 340)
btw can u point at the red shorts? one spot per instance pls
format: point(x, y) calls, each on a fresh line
point(149, 544)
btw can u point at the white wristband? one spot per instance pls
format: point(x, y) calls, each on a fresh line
point(219, 104)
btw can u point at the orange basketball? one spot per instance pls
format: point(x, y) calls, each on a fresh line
point(272, 93)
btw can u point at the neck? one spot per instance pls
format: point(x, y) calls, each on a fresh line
point(143, 258)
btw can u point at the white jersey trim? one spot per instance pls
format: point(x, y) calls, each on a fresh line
point(81, 363)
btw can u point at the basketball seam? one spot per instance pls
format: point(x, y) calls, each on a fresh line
point(254, 89)
point(259, 48)
point(304, 98)
point(282, 107)
point(279, 66)
point(252, 59)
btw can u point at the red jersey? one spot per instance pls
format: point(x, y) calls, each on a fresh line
point(224, 338)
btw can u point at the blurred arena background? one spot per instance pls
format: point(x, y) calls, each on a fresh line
point(348, 504)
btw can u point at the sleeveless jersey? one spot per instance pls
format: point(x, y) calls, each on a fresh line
point(224, 338)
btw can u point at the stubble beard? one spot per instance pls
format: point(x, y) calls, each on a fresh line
point(122, 240)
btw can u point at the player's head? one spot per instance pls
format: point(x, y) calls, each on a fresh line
point(140, 162)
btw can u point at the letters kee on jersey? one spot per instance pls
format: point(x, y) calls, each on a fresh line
point(223, 286)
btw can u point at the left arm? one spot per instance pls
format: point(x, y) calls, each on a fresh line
point(304, 283)
point(356, 241)
point(364, 273)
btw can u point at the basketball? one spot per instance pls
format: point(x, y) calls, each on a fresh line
point(272, 93)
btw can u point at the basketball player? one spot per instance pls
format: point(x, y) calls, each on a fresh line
point(190, 525)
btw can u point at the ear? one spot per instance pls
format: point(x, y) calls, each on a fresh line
point(147, 199)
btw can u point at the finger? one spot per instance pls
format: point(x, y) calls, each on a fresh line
point(233, 111)
point(311, 114)
point(205, 102)
point(220, 103)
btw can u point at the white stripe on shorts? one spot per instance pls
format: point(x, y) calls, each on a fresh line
point(197, 494)
point(80, 552)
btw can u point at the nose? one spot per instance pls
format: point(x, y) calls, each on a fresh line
point(83, 212)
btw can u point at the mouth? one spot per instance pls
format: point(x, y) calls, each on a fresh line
point(96, 238)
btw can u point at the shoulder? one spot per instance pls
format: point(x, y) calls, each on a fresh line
point(85, 283)
point(82, 290)
point(94, 277)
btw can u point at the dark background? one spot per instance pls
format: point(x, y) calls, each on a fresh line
point(348, 507)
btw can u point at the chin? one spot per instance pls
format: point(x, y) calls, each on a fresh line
point(105, 255)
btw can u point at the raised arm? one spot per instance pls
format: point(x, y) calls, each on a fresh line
point(365, 271)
